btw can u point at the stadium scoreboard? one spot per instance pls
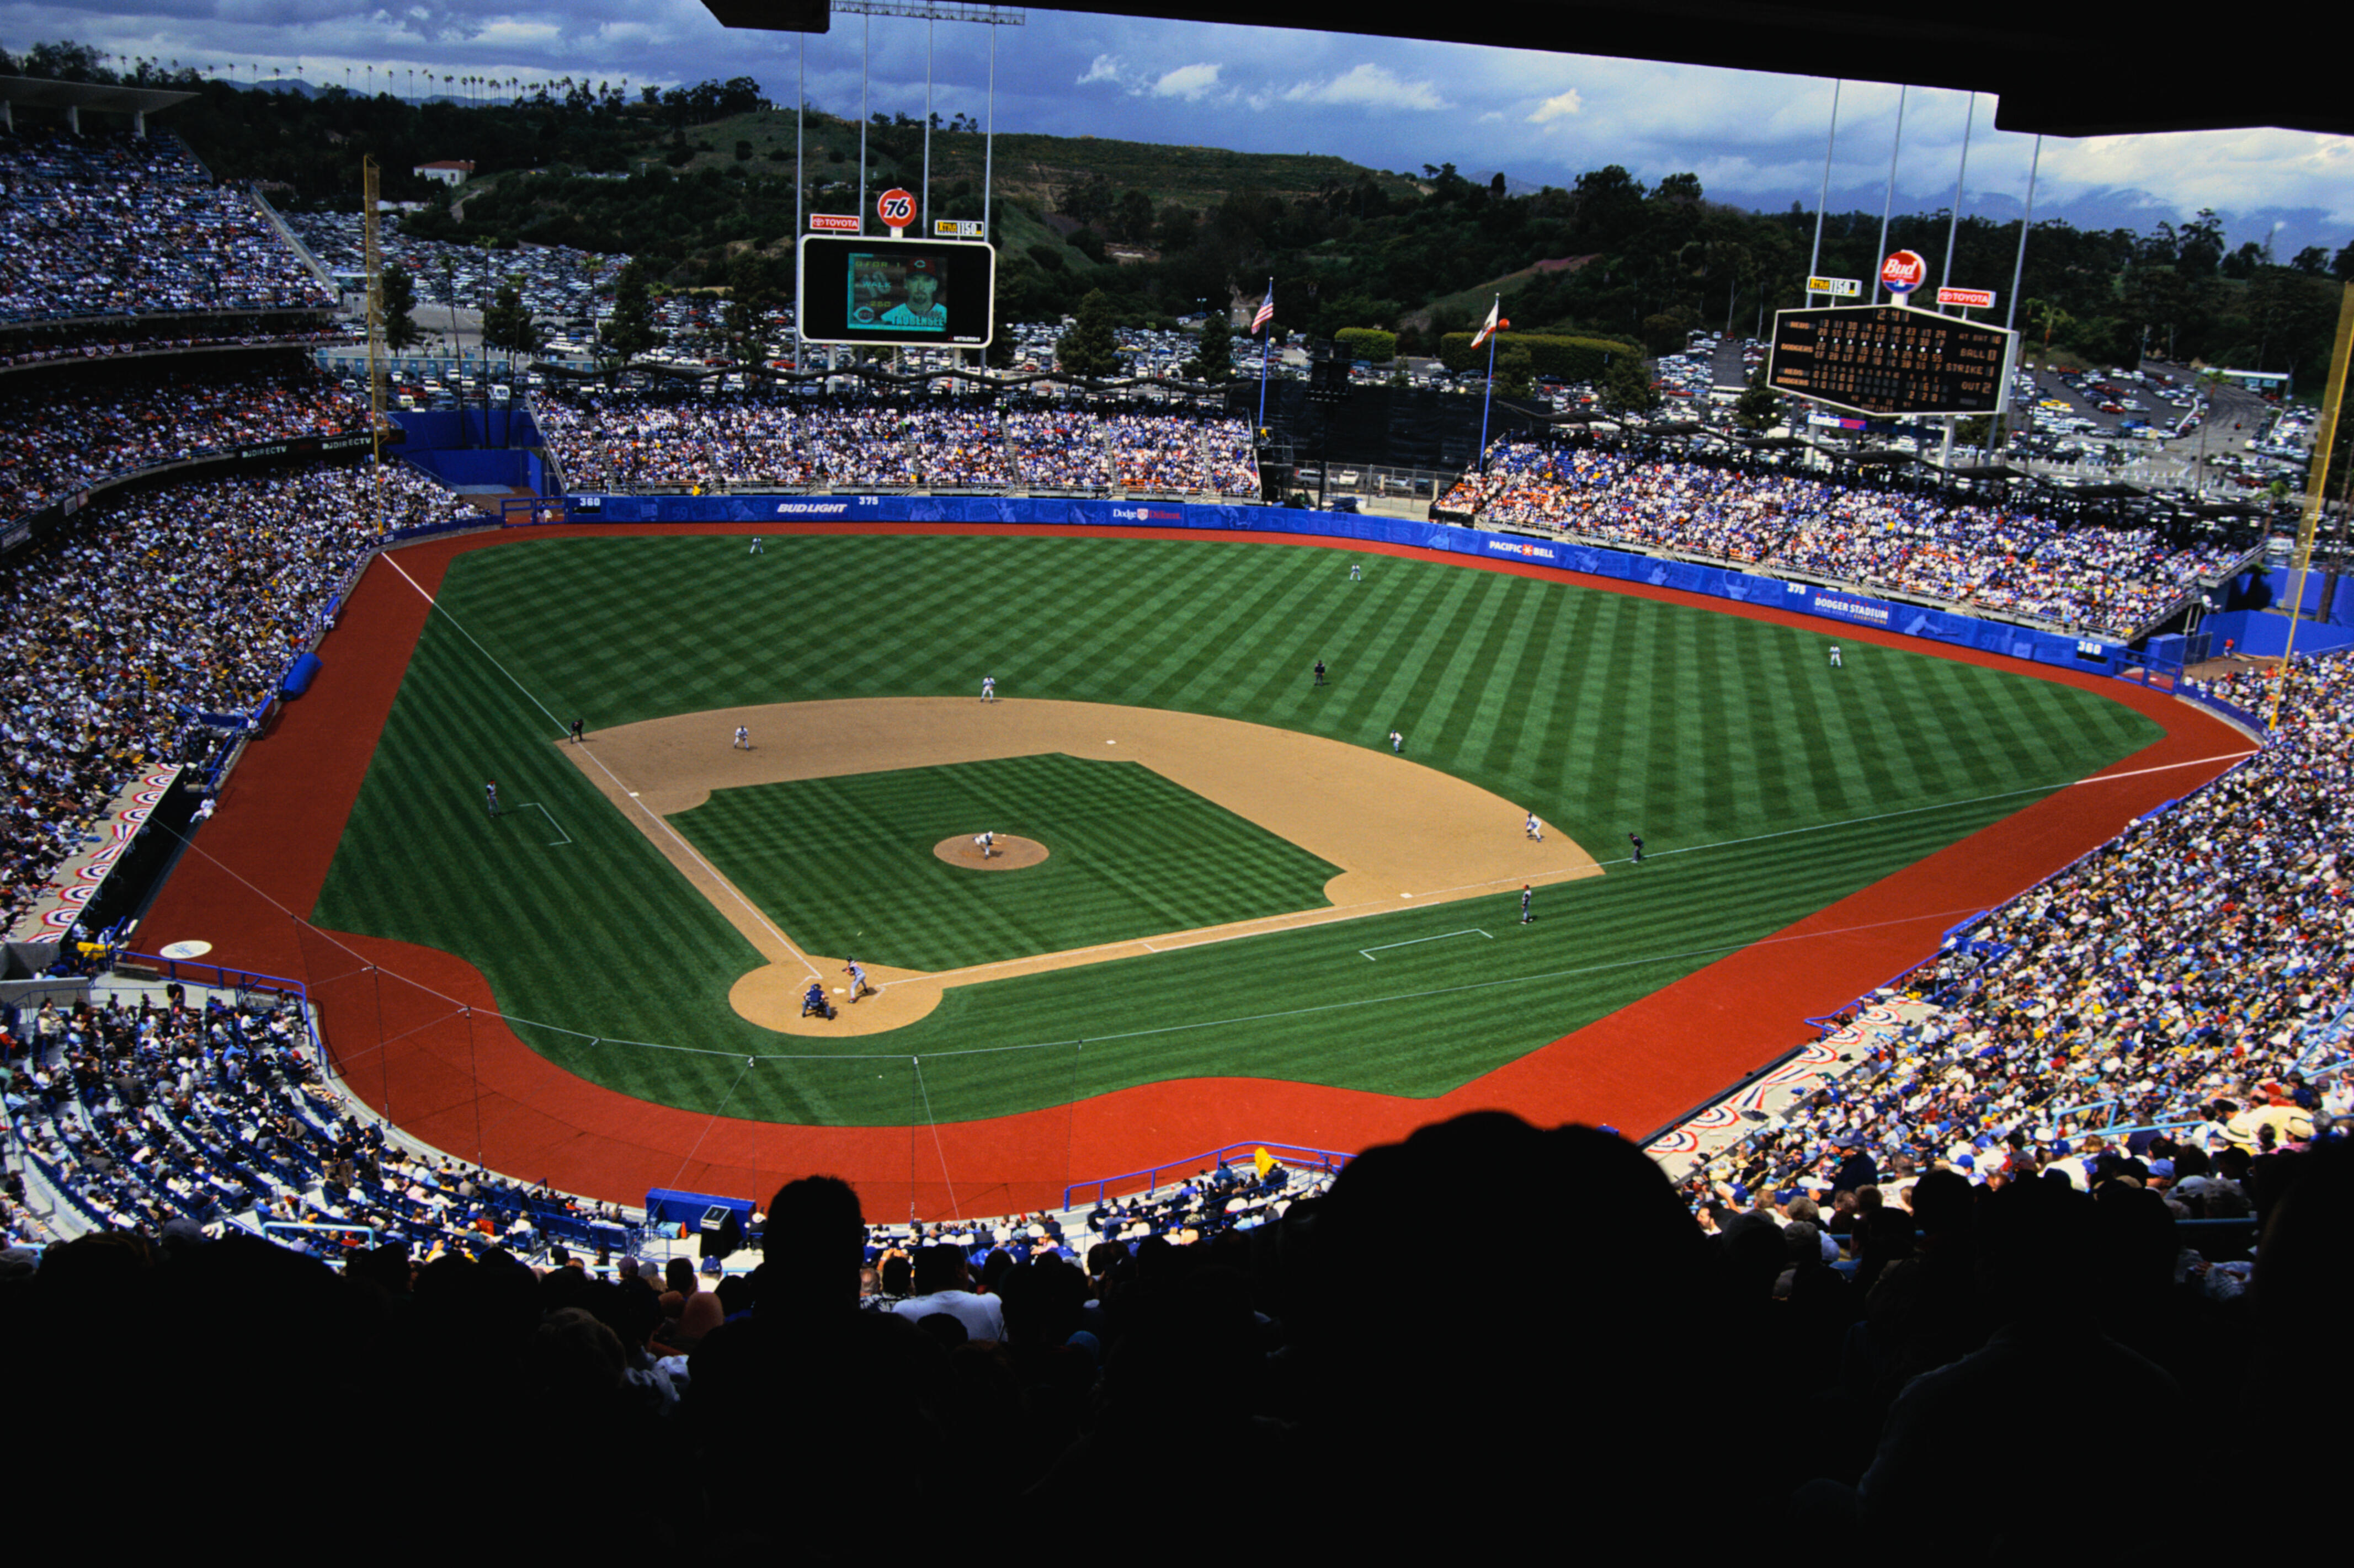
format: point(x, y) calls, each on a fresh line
point(905, 293)
point(1891, 360)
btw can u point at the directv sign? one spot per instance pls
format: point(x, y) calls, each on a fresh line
point(1839, 288)
point(906, 293)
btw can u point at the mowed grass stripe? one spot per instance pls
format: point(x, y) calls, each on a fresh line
point(1545, 693)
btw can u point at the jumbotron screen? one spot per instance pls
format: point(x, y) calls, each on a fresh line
point(1888, 359)
point(918, 293)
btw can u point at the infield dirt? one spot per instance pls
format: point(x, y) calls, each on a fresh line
point(1399, 832)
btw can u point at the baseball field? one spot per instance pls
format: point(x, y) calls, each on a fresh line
point(1234, 898)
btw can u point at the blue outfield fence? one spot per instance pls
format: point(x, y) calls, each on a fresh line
point(2094, 654)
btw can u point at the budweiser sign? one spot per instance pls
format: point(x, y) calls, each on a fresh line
point(1904, 271)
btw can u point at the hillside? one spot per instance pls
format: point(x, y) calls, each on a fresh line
point(687, 179)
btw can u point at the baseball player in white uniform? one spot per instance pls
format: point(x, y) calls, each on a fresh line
point(1837, 661)
point(743, 737)
point(988, 842)
point(1536, 829)
point(989, 688)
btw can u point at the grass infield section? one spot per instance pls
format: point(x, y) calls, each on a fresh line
point(846, 865)
point(1766, 785)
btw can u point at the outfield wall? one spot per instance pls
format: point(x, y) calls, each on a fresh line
point(2092, 654)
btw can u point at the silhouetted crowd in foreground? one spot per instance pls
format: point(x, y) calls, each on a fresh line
point(2000, 1382)
point(621, 440)
point(1995, 558)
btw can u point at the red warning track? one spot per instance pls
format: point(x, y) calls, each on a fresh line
point(418, 1037)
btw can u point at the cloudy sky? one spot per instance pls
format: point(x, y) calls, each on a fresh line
point(1754, 139)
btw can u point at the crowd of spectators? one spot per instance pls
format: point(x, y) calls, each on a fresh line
point(1998, 557)
point(605, 439)
point(113, 225)
point(2178, 1000)
point(158, 1115)
point(157, 606)
point(58, 436)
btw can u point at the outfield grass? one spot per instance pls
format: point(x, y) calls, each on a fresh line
point(1766, 784)
point(846, 864)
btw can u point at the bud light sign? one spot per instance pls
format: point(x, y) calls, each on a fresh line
point(1902, 272)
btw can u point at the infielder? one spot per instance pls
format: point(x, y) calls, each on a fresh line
point(989, 688)
point(743, 737)
point(1536, 829)
point(1397, 742)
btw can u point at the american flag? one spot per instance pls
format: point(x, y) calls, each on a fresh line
point(1265, 310)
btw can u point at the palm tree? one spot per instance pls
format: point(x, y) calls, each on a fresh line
point(2208, 380)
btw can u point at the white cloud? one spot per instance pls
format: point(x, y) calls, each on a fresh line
point(1191, 82)
point(1558, 106)
point(1106, 68)
point(1368, 86)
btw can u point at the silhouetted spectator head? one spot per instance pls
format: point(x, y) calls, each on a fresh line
point(1442, 1400)
point(813, 1245)
point(941, 1267)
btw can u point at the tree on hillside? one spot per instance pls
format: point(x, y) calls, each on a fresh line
point(508, 326)
point(1090, 350)
point(1626, 387)
point(631, 332)
point(754, 293)
point(1213, 356)
point(1759, 408)
point(401, 332)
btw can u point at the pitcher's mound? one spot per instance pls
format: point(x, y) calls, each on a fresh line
point(1007, 854)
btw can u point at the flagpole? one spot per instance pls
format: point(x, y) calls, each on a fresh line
point(1487, 399)
point(1263, 344)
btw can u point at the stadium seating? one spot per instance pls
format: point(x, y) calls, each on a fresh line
point(112, 225)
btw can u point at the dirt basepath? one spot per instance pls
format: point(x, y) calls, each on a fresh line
point(1399, 832)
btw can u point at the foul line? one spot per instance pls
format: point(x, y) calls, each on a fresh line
point(687, 849)
point(562, 839)
point(1367, 953)
point(2164, 767)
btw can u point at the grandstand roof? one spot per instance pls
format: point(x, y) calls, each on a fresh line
point(40, 92)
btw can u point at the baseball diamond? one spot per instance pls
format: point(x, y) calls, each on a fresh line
point(613, 1011)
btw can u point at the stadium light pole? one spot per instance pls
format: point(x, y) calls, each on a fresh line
point(1954, 218)
point(1888, 200)
point(1831, 140)
point(801, 186)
